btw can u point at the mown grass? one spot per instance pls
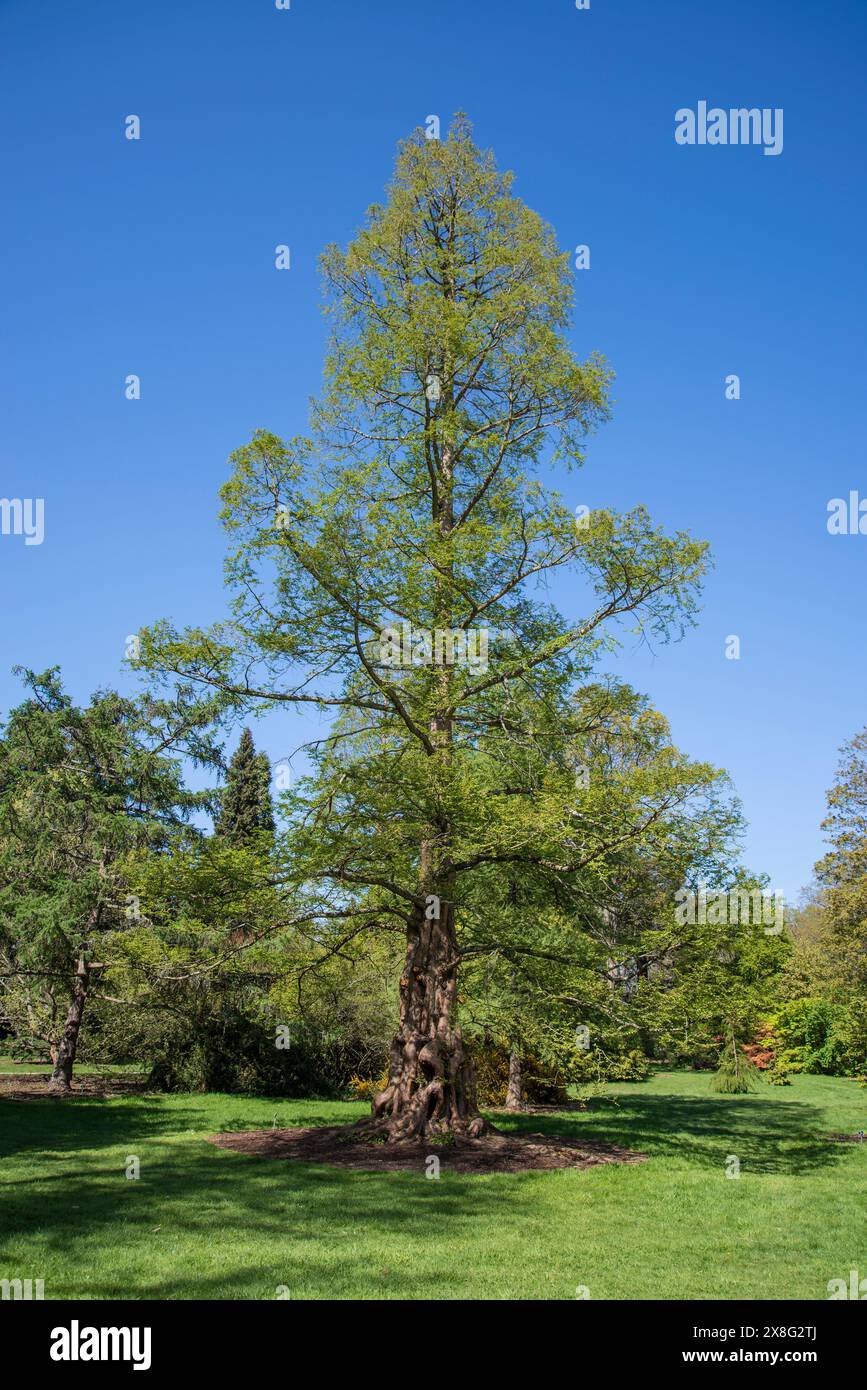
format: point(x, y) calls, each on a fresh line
point(202, 1223)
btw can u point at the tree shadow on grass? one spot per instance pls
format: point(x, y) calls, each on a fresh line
point(87, 1122)
point(95, 1122)
point(783, 1138)
point(293, 1224)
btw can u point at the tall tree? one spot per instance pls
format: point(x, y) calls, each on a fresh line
point(80, 788)
point(843, 870)
point(831, 956)
point(390, 569)
point(246, 810)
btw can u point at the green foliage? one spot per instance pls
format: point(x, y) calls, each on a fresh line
point(229, 1051)
point(548, 805)
point(822, 1025)
point(812, 1036)
point(843, 871)
point(599, 1064)
point(245, 808)
point(708, 974)
point(80, 790)
point(778, 1075)
point(230, 988)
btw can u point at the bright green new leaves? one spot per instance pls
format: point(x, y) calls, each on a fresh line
point(392, 569)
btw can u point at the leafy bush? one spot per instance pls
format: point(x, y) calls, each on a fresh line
point(778, 1076)
point(222, 1048)
point(365, 1088)
point(814, 1035)
point(762, 1050)
point(598, 1065)
point(540, 1086)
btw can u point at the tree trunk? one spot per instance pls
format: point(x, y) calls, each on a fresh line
point(431, 1086)
point(514, 1095)
point(64, 1057)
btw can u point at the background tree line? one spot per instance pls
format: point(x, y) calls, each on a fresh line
point(130, 932)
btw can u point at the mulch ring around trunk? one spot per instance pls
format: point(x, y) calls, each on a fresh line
point(36, 1087)
point(342, 1147)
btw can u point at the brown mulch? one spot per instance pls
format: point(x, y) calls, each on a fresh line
point(342, 1147)
point(35, 1087)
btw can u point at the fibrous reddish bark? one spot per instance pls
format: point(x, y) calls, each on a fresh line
point(431, 1086)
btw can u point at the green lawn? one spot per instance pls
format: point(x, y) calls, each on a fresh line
point(207, 1223)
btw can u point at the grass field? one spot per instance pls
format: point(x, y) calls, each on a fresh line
point(201, 1222)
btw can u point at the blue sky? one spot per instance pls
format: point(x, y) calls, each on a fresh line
point(262, 126)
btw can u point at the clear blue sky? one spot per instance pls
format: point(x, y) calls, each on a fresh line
point(261, 126)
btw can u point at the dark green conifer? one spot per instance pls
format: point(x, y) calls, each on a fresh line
point(245, 802)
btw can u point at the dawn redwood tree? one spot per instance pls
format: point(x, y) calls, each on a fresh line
point(80, 790)
point(391, 569)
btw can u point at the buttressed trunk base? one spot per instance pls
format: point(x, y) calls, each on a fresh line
point(431, 1086)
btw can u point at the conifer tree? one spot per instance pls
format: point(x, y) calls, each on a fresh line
point(246, 810)
point(81, 789)
point(390, 570)
point(736, 1074)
